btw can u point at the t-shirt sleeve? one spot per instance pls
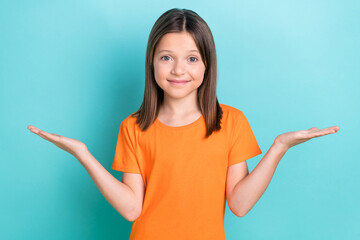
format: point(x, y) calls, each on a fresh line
point(243, 144)
point(125, 159)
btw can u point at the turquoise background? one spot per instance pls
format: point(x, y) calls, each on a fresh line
point(76, 68)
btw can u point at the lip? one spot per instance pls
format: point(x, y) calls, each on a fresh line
point(178, 82)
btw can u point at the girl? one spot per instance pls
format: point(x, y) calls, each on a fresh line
point(183, 154)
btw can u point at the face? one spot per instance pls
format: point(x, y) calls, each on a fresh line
point(177, 58)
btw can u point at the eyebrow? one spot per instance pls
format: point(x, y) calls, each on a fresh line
point(164, 50)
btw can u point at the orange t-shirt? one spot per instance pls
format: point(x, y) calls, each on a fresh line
point(184, 174)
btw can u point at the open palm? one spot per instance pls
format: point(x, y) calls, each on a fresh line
point(290, 139)
point(70, 145)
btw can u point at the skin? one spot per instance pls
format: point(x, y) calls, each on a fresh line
point(243, 190)
point(285, 140)
point(180, 107)
point(290, 139)
point(183, 62)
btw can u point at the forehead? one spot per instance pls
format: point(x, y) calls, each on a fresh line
point(177, 42)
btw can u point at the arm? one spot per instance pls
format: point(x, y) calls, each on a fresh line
point(117, 193)
point(249, 189)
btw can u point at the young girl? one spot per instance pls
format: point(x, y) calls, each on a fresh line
point(183, 154)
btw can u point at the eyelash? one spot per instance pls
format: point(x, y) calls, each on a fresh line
point(190, 57)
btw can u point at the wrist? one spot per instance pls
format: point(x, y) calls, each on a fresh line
point(279, 146)
point(83, 155)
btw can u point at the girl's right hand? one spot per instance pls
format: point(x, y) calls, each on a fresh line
point(70, 145)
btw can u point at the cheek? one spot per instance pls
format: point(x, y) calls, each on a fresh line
point(198, 73)
point(156, 72)
point(160, 75)
point(159, 71)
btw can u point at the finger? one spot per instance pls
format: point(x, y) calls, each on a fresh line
point(37, 130)
point(33, 129)
point(47, 136)
point(316, 132)
point(331, 129)
point(336, 128)
point(322, 132)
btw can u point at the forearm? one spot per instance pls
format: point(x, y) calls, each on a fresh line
point(249, 190)
point(118, 194)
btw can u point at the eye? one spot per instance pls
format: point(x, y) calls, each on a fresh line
point(164, 57)
point(194, 58)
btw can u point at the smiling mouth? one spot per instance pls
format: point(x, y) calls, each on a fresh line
point(178, 82)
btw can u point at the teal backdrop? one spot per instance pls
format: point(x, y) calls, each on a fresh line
point(76, 68)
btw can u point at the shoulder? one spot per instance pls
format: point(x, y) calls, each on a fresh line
point(129, 122)
point(231, 113)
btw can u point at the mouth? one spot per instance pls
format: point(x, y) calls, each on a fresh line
point(178, 82)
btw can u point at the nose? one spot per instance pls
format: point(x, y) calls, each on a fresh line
point(178, 68)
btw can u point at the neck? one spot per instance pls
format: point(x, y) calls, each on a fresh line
point(180, 106)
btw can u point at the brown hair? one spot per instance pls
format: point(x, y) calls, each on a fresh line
point(178, 20)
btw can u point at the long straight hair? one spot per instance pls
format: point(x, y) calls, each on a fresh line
point(175, 21)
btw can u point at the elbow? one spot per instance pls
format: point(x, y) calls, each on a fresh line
point(237, 212)
point(135, 218)
point(134, 215)
point(240, 214)
point(131, 218)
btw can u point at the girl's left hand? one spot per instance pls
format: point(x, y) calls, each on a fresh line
point(290, 139)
